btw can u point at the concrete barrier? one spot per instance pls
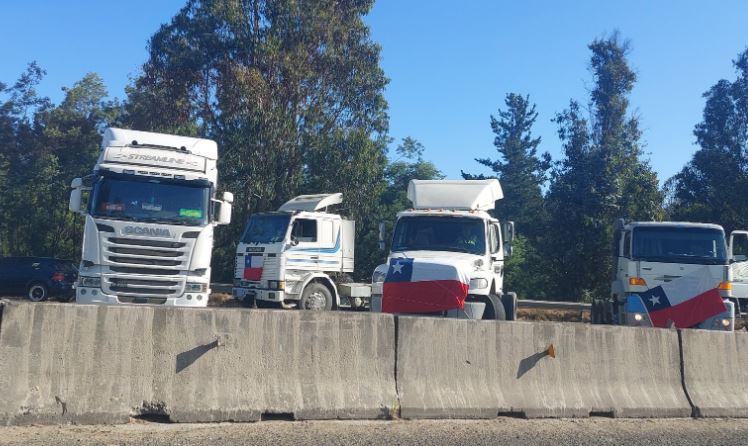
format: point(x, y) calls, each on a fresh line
point(715, 371)
point(480, 369)
point(103, 364)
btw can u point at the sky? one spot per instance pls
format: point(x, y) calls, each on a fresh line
point(450, 64)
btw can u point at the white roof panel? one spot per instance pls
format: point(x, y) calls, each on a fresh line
point(312, 203)
point(114, 137)
point(478, 195)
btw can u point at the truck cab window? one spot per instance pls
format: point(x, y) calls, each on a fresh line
point(627, 244)
point(493, 239)
point(304, 230)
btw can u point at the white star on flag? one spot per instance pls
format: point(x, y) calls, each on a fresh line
point(397, 267)
point(655, 300)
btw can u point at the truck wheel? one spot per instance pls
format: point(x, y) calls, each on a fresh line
point(494, 308)
point(316, 297)
point(37, 292)
point(509, 300)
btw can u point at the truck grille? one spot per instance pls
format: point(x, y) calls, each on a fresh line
point(143, 252)
point(131, 259)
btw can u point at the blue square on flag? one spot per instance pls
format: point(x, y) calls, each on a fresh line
point(401, 270)
point(655, 299)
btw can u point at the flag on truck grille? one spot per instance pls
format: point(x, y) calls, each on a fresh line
point(424, 286)
point(687, 301)
point(253, 266)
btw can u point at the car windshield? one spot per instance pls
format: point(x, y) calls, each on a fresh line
point(459, 234)
point(680, 245)
point(266, 228)
point(151, 200)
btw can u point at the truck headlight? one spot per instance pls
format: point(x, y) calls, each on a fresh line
point(91, 282)
point(725, 322)
point(196, 287)
point(378, 276)
point(638, 317)
point(277, 284)
point(478, 283)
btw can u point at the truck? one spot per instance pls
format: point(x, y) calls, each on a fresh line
point(449, 227)
point(149, 219)
point(300, 256)
point(654, 262)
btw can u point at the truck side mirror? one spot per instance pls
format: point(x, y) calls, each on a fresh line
point(75, 195)
point(224, 213)
point(508, 232)
point(508, 250)
point(381, 235)
point(228, 197)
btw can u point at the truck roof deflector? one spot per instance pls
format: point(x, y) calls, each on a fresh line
point(472, 195)
point(311, 203)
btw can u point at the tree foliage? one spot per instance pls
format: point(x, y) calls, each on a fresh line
point(601, 177)
point(712, 187)
point(291, 90)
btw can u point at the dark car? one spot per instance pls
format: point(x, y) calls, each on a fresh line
point(39, 278)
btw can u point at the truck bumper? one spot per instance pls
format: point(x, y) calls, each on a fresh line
point(96, 296)
point(259, 294)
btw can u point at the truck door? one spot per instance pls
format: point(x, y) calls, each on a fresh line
point(497, 256)
point(738, 255)
point(305, 254)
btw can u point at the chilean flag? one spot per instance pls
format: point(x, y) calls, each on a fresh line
point(687, 301)
point(253, 266)
point(424, 286)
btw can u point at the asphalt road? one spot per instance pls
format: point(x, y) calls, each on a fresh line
point(501, 431)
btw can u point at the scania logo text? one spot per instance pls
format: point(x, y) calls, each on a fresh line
point(152, 232)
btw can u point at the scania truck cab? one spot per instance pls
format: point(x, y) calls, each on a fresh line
point(299, 257)
point(149, 220)
point(652, 259)
point(450, 223)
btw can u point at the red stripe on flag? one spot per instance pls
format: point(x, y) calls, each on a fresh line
point(252, 273)
point(423, 297)
point(690, 312)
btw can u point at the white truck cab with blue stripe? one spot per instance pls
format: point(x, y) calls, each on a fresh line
point(670, 274)
point(298, 257)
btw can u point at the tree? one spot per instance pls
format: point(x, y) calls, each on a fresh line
point(43, 147)
point(278, 85)
point(712, 187)
point(519, 168)
point(601, 177)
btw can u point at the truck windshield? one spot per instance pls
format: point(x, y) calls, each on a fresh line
point(266, 228)
point(151, 200)
point(704, 246)
point(459, 234)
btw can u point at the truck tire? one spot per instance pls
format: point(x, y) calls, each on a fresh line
point(316, 297)
point(509, 300)
point(37, 292)
point(494, 308)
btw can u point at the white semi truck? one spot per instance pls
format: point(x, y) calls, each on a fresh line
point(299, 257)
point(649, 257)
point(149, 220)
point(432, 231)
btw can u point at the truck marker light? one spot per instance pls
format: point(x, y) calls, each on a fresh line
point(637, 281)
point(725, 286)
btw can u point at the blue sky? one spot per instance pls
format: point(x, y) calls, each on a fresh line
point(450, 63)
